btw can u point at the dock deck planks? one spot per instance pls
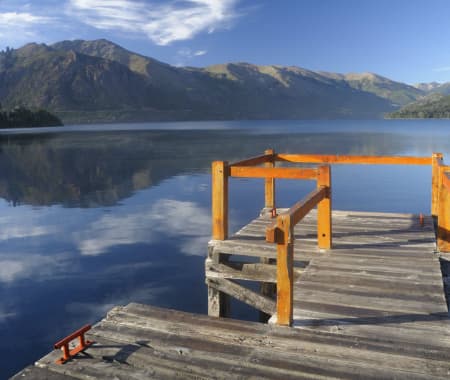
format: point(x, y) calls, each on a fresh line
point(373, 307)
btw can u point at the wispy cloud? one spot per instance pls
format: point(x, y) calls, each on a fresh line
point(16, 26)
point(184, 55)
point(161, 23)
point(198, 53)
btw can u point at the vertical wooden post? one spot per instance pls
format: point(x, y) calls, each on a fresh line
point(285, 277)
point(266, 288)
point(435, 159)
point(269, 183)
point(219, 200)
point(324, 227)
point(443, 214)
point(218, 302)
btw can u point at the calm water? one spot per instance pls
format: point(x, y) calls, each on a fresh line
point(96, 216)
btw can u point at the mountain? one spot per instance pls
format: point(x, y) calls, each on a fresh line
point(398, 93)
point(434, 88)
point(93, 81)
point(434, 105)
point(427, 87)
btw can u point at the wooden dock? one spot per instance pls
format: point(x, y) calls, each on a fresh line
point(371, 308)
point(350, 295)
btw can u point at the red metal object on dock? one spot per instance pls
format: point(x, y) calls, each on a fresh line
point(63, 344)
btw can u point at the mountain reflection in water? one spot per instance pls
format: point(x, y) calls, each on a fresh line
point(101, 168)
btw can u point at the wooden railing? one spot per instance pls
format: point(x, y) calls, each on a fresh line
point(441, 201)
point(281, 230)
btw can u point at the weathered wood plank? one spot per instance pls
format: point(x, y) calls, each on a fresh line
point(371, 308)
point(297, 343)
point(246, 271)
point(250, 333)
point(258, 301)
point(36, 373)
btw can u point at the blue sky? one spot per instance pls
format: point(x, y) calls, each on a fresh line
point(403, 40)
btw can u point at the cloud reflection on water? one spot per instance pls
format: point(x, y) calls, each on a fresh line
point(166, 218)
point(35, 267)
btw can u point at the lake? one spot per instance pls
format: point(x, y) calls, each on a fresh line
point(94, 216)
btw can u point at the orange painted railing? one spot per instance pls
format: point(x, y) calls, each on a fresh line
point(441, 194)
point(281, 230)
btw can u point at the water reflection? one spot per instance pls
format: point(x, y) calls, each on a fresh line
point(100, 168)
point(106, 218)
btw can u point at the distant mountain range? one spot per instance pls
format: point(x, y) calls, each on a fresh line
point(99, 81)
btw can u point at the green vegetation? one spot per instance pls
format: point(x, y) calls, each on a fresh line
point(21, 117)
point(433, 106)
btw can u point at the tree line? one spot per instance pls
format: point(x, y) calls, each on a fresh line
point(21, 117)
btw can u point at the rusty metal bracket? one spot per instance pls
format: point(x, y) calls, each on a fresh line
point(63, 344)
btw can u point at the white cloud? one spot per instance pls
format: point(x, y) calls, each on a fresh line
point(16, 26)
point(161, 23)
point(16, 19)
point(184, 222)
point(198, 53)
point(184, 55)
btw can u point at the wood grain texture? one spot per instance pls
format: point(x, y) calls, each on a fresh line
point(219, 177)
point(269, 183)
point(324, 229)
point(436, 161)
point(140, 342)
point(286, 173)
point(343, 159)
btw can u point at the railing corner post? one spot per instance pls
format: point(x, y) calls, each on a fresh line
point(269, 193)
point(436, 159)
point(443, 218)
point(324, 223)
point(219, 205)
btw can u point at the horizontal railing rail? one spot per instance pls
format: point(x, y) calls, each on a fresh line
point(296, 213)
point(281, 230)
point(253, 160)
point(286, 173)
point(344, 159)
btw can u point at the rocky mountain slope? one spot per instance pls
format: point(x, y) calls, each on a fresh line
point(92, 81)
